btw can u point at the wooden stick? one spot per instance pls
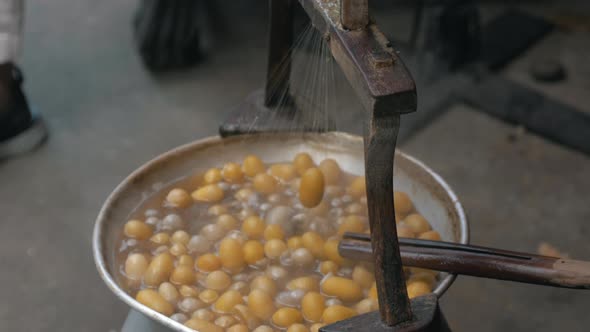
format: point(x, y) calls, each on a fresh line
point(380, 138)
point(479, 261)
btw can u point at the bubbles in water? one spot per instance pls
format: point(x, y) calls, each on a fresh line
point(151, 213)
point(179, 317)
point(172, 222)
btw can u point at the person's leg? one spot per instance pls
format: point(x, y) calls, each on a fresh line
point(20, 130)
point(169, 34)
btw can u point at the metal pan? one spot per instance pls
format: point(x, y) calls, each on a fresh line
point(431, 195)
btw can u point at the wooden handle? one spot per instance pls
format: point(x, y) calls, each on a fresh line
point(479, 261)
point(380, 138)
point(572, 273)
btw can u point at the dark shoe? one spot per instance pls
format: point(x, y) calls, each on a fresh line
point(20, 129)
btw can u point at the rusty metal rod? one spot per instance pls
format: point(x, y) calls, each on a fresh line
point(478, 261)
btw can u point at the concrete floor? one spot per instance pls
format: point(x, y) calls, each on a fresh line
point(108, 115)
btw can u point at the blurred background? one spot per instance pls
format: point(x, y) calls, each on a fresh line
point(523, 178)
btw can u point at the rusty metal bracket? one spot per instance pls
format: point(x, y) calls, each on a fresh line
point(354, 14)
point(373, 68)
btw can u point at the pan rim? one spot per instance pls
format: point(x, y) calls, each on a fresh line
point(102, 218)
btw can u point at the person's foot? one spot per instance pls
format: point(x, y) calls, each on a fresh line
point(20, 129)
